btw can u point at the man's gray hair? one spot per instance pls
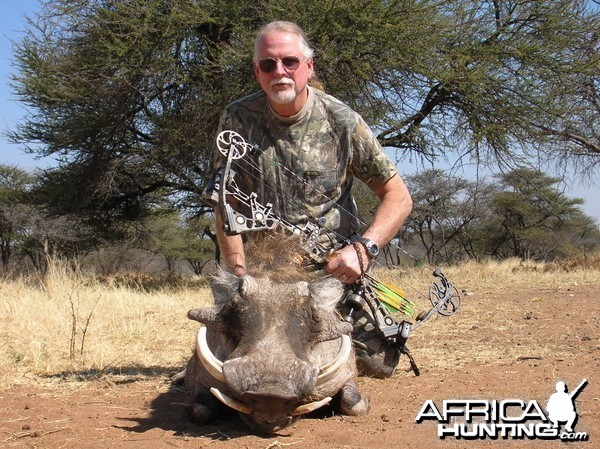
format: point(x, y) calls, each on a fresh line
point(287, 27)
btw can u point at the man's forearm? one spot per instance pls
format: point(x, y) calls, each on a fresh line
point(394, 209)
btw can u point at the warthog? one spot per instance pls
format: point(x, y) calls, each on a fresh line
point(272, 351)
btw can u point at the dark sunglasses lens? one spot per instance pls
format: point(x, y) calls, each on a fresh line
point(290, 63)
point(267, 65)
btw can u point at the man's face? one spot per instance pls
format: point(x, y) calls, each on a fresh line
point(285, 87)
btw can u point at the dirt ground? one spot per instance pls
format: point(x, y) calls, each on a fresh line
point(499, 346)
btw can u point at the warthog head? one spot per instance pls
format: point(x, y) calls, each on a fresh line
point(272, 350)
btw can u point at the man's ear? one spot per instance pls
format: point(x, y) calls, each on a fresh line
point(309, 65)
point(256, 70)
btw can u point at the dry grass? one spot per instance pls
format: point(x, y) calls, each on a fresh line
point(74, 327)
point(500, 276)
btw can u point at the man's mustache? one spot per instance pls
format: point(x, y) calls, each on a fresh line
point(281, 81)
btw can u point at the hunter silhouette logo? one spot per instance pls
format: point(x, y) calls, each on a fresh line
point(561, 406)
point(507, 419)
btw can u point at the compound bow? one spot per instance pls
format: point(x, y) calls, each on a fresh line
point(381, 298)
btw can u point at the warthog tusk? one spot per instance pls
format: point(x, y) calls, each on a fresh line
point(310, 407)
point(327, 372)
point(230, 402)
point(212, 364)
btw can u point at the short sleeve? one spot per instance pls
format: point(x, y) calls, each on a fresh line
point(370, 164)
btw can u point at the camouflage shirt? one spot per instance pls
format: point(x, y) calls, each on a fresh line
point(307, 162)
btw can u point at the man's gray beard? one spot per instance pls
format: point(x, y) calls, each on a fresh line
point(283, 97)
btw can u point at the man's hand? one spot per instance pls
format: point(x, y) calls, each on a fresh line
point(344, 264)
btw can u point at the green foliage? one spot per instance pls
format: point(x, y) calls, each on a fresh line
point(446, 212)
point(533, 219)
point(14, 184)
point(127, 95)
point(130, 94)
point(166, 233)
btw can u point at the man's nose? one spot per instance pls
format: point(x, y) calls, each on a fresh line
point(279, 71)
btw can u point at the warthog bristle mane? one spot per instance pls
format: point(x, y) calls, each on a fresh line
point(277, 256)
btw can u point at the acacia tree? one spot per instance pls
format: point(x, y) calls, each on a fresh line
point(26, 228)
point(447, 210)
point(523, 214)
point(126, 94)
point(494, 77)
point(175, 238)
point(532, 217)
point(14, 184)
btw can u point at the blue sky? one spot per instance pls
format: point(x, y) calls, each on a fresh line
point(12, 24)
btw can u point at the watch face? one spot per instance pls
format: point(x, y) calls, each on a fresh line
point(373, 249)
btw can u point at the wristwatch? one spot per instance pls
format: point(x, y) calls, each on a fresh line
point(370, 246)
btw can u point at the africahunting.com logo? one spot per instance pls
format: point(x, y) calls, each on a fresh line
point(507, 419)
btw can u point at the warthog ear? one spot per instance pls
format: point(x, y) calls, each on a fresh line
point(326, 292)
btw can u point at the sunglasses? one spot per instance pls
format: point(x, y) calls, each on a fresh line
point(290, 64)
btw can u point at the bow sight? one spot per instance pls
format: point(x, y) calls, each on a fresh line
point(382, 299)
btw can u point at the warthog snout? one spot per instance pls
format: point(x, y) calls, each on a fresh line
point(268, 402)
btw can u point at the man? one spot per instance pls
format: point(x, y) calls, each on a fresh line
point(312, 146)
